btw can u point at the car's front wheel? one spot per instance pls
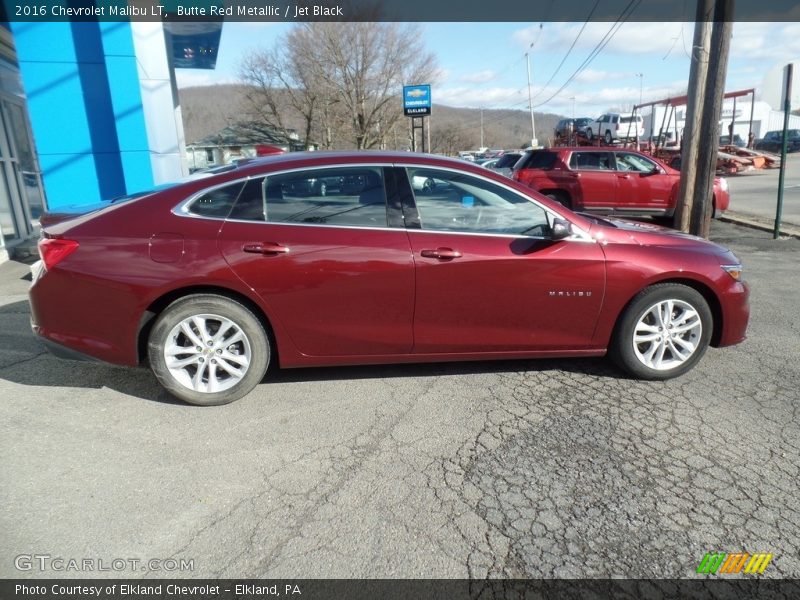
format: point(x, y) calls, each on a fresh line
point(663, 333)
point(208, 350)
point(609, 138)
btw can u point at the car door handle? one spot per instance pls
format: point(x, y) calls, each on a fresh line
point(624, 176)
point(267, 248)
point(575, 175)
point(441, 253)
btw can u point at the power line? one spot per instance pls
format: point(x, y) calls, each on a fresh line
point(626, 13)
point(566, 56)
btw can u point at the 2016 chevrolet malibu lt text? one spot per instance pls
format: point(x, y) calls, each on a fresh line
point(214, 280)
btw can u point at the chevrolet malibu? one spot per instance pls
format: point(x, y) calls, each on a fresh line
point(212, 281)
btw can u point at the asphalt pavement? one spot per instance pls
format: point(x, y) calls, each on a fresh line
point(553, 468)
point(755, 193)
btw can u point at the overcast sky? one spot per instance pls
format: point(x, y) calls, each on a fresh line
point(483, 64)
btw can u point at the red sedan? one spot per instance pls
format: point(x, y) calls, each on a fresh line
point(608, 181)
point(213, 280)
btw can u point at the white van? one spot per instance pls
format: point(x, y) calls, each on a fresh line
point(616, 126)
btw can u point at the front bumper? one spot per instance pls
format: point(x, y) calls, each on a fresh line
point(735, 304)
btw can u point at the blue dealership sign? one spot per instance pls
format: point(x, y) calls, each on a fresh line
point(416, 100)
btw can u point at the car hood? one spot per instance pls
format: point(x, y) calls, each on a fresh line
point(648, 234)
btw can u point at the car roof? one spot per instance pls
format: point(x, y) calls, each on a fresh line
point(585, 149)
point(332, 156)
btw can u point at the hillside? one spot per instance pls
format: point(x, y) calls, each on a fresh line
point(208, 109)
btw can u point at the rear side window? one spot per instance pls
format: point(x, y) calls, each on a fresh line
point(250, 204)
point(507, 160)
point(216, 203)
point(538, 159)
point(590, 161)
point(350, 196)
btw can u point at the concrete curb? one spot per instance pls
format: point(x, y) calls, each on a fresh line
point(787, 229)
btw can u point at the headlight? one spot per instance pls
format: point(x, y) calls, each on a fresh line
point(723, 184)
point(734, 271)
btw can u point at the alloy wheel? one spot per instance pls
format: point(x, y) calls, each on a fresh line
point(207, 353)
point(667, 334)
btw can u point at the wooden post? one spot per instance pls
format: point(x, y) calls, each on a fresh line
point(722, 28)
point(698, 72)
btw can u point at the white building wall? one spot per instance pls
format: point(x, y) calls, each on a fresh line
point(162, 113)
point(764, 119)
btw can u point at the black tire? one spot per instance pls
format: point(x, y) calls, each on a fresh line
point(589, 134)
point(428, 186)
point(623, 348)
point(199, 304)
point(561, 197)
point(609, 138)
point(323, 189)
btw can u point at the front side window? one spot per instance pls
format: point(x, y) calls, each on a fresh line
point(451, 201)
point(590, 161)
point(634, 162)
point(349, 196)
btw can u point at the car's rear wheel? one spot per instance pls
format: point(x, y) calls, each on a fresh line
point(663, 333)
point(561, 197)
point(208, 350)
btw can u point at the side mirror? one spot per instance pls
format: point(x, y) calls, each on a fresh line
point(561, 229)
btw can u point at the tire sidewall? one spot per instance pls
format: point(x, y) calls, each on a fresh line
point(622, 350)
point(225, 307)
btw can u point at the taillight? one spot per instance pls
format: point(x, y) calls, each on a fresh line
point(53, 251)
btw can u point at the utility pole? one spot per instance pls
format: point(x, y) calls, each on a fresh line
point(481, 146)
point(690, 140)
point(721, 31)
point(641, 86)
point(534, 141)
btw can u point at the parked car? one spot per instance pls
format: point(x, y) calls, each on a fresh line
point(212, 281)
point(615, 126)
point(319, 186)
point(579, 125)
point(489, 163)
point(608, 181)
point(505, 163)
point(725, 140)
point(773, 141)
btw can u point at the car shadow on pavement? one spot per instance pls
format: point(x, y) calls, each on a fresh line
point(25, 361)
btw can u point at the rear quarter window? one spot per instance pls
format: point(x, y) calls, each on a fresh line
point(538, 159)
point(216, 203)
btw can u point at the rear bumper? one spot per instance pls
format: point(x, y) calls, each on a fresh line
point(61, 351)
point(77, 316)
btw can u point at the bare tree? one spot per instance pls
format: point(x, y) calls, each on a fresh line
point(366, 64)
point(343, 81)
point(449, 140)
point(283, 86)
